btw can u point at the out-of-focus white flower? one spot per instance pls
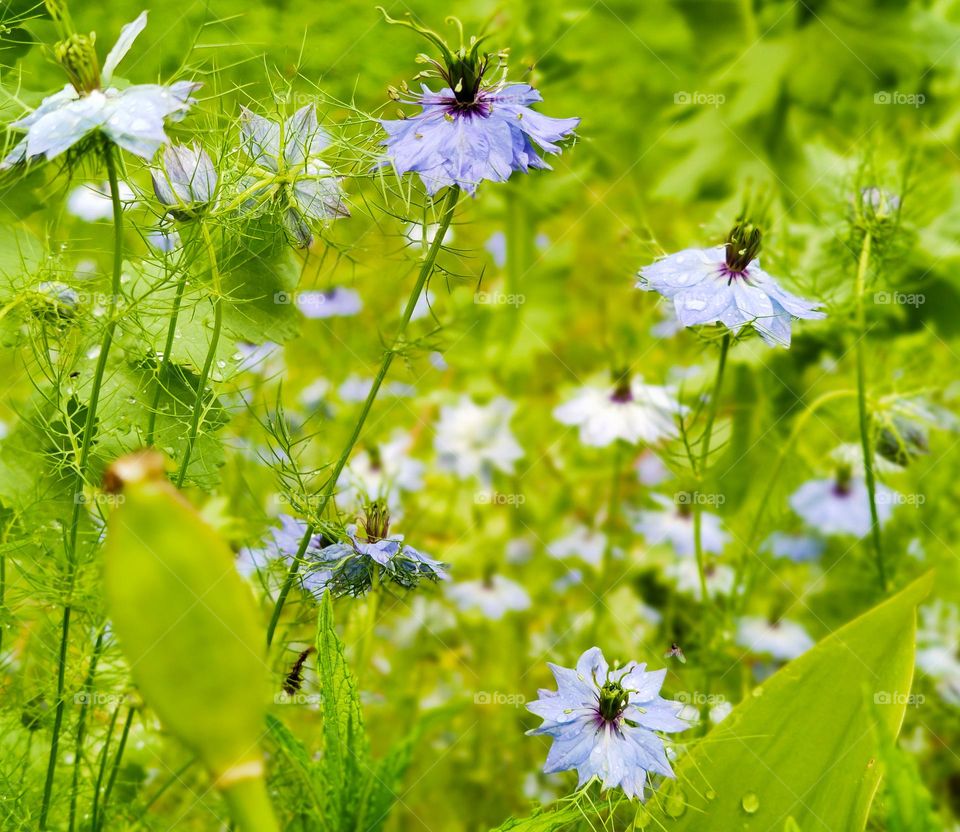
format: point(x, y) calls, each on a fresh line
point(92, 202)
point(381, 472)
point(673, 524)
point(582, 542)
point(720, 578)
point(629, 410)
point(781, 639)
point(493, 597)
point(475, 440)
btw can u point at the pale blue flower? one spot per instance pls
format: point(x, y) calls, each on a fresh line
point(353, 566)
point(283, 543)
point(726, 285)
point(331, 303)
point(471, 130)
point(133, 118)
point(796, 547)
point(841, 506)
point(782, 639)
point(605, 723)
point(464, 138)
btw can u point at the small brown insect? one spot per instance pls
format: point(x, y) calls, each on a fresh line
point(294, 679)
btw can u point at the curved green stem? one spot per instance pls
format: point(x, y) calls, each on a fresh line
point(208, 361)
point(85, 446)
point(250, 806)
point(862, 267)
point(326, 492)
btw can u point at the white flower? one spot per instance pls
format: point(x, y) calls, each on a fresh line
point(132, 118)
point(473, 440)
point(938, 645)
point(493, 597)
point(356, 389)
point(782, 639)
point(583, 542)
point(382, 472)
point(841, 507)
point(720, 578)
point(674, 525)
point(650, 469)
point(720, 711)
point(93, 202)
point(715, 285)
point(629, 410)
point(415, 236)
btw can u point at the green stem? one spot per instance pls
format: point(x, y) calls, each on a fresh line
point(702, 466)
point(163, 369)
point(115, 768)
point(865, 442)
point(104, 754)
point(82, 726)
point(208, 361)
point(426, 269)
point(86, 444)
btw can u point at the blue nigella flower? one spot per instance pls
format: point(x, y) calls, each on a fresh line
point(472, 129)
point(132, 118)
point(725, 284)
point(354, 566)
point(604, 722)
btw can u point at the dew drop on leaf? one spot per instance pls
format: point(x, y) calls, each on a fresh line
point(750, 803)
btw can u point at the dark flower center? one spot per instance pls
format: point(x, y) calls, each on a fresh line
point(841, 486)
point(742, 248)
point(622, 392)
point(612, 701)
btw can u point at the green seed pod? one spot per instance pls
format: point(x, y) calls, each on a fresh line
point(189, 627)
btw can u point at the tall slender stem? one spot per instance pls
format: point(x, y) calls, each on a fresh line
point(702, 465)
point(326, 492)
point(86, 443)
point(163, 369)
point(82, 726)
point(862, 268)
point(115, 768)
point(208, 361)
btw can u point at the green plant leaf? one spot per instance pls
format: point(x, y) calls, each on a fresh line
point(805, 745)
point(346, 755)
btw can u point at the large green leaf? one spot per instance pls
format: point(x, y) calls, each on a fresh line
point(805, 746)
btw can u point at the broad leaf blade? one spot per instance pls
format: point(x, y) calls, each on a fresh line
point(806, 748)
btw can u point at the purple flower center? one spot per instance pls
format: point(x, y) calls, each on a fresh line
point(731, 274)
point(480, 106)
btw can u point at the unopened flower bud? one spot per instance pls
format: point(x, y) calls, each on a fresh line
point(78, 57)
point(187, 182)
